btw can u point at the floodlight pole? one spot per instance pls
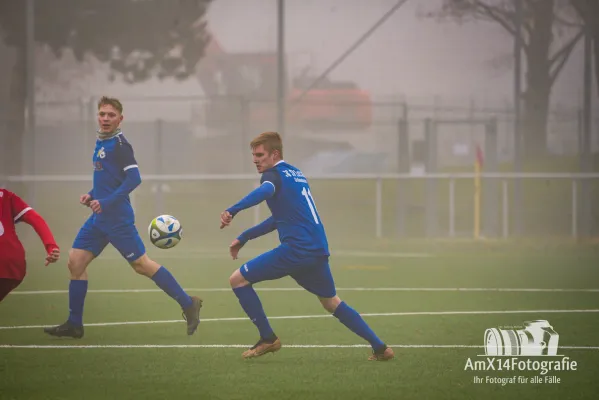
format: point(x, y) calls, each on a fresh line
point(518, 142)
point(585, 139)
point(281, 67)
point(28, 140)
point(587, 101)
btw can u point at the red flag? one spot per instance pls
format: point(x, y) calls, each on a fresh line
point(479, 156)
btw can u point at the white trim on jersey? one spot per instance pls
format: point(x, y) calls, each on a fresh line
point(130, 166)
point(19, 215)
point(278, 162)
point(273, 185)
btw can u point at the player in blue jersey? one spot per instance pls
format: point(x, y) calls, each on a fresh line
point(116, 175)
point(303, 253)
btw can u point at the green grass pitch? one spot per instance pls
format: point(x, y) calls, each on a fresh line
point(432, 301)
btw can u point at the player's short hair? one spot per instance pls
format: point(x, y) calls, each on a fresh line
point(271, 140)
point(111, 101)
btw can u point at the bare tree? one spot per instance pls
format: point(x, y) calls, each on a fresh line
point(588, 10)
point(138, 38)
point(550, 31)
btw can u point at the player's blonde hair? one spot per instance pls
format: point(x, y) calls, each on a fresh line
point(111, 101)
point(271, 140)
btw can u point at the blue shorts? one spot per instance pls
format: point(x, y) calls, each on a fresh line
point(94, 237)
point(312, 273)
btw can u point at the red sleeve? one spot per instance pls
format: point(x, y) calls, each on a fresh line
point(18, 206)
point(31, 217)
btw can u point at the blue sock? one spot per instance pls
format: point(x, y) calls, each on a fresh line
point(250, 302)
point(350, 318)
point(77, 292)
point(167, 282)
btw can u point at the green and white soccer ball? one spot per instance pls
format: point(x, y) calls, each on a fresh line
point(165, 231)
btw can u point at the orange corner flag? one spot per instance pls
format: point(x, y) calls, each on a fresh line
point(479, 156)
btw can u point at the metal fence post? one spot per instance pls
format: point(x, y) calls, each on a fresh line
point(159, 170)
point(430, 136)
point(490, 186)
point(403, 166)
point(574, 209)
point(452, 207)
point(505, 207)
point(379, 207)
point(245, 143)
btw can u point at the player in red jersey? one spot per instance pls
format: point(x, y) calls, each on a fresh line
point(12, 253)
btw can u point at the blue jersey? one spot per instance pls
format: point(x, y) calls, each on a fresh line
point(294, 211)
point(112, 158)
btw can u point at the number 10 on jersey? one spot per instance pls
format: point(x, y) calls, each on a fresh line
point(306, 193)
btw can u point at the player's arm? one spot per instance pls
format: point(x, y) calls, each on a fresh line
point(23, 212)
point(269, 183)
point(132, 176)
point(255, 197)
point(132, 180)
point(263, 228)
point(42, 229)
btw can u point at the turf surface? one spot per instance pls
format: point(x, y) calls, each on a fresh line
point(419, 296)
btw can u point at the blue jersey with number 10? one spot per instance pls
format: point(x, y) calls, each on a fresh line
point(294, 211)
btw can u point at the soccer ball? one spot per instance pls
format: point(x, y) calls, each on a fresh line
point(165, 231)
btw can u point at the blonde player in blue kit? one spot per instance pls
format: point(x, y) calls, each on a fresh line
point(303, 253)
point(116, 175)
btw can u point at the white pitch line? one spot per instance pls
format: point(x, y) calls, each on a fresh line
point(380, 255)
point(253, 253)
point(299, 289)
point(395, 314)
point(227, 346)
point(338, 253)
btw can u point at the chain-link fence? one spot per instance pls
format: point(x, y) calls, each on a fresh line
point(211, 136)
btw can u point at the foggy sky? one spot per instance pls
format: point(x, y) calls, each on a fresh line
point(416, 57)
